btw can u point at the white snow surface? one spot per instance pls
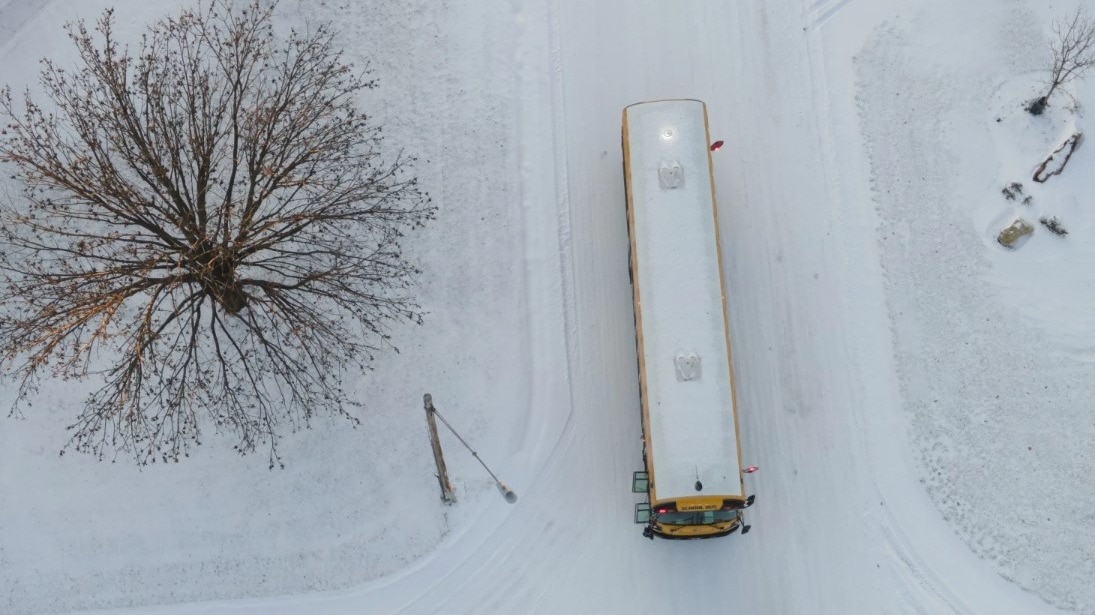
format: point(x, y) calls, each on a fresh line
point(918, 398)
point(680, 303)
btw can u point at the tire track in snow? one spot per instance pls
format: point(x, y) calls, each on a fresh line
point(921, 591)
point(14, 15)
point(821, 11)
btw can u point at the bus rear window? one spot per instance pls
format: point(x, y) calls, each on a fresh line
point(697, 518)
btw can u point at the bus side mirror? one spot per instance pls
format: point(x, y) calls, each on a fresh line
point(640, 482)
point(745, 529)
point(749, 501)
point(642, 512)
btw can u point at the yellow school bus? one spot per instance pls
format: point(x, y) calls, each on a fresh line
point(693, 477)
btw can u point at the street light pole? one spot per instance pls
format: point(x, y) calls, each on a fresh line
point(448, 496)
point(506, 492)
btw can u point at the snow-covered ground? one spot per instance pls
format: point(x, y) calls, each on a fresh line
point(917, 397)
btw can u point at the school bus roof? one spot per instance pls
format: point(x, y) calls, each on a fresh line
point(688, 398)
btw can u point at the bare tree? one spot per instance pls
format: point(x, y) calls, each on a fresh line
point(1073, 52)
point(208, 227)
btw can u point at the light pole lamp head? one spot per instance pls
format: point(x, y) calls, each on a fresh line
point(507, 493)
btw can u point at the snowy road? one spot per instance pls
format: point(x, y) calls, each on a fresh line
point(841, 523)
point(808, 325)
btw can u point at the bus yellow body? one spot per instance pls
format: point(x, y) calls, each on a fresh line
point(693, 476)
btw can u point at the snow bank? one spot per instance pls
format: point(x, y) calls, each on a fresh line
point(993, 346)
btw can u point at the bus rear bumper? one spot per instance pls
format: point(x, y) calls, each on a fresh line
point(654, 531)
